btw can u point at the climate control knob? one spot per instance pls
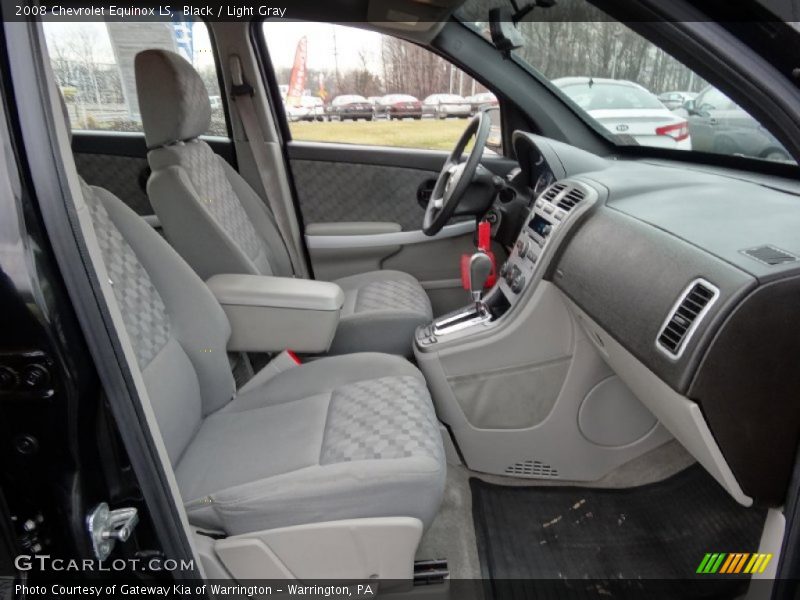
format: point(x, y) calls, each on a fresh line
point(517, 283)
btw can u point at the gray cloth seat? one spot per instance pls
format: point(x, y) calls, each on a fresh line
point(215, 220)
point(343, 437)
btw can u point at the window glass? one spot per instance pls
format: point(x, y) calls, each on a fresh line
point(93, 66)
point(633, 91)
point(370, 88)
point(713, 99)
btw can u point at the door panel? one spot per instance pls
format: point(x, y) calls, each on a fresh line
point(342, 183)
point(345, 182)
point(337, 191)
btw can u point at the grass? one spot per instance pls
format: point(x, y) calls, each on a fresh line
point(431, 134)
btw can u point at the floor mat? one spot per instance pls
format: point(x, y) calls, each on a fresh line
point(655, 532)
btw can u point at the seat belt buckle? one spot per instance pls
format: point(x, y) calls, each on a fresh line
point(283, 362)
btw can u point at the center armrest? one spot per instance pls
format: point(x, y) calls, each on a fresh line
point(270, 314)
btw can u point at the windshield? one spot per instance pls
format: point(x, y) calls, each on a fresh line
point(601, 65)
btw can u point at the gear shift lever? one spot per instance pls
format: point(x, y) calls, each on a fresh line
point(480, 267)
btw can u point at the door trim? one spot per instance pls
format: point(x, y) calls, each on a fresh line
point(378, 240)
point(387, 156)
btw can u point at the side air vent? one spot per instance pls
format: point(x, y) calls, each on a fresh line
point(570, 199)
point(553, 191)
point(770, 255)
point(685, 316)
point(532, 468)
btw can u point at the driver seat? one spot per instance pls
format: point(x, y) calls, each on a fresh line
point(218, 223)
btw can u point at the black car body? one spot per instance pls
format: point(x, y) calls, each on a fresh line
point(350, 106)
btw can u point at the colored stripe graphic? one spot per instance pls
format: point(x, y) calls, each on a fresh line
point(728, 562)
point(751, 564)
point(717, 564)
point(740, 564)
point(703, 563)
point(767, 558)
point(734, 563)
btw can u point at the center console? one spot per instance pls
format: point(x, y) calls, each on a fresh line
point(514, 375)
point(550, 215)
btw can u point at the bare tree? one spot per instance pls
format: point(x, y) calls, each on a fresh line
point(83, 46)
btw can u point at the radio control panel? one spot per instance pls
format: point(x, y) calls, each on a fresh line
point(544, 218)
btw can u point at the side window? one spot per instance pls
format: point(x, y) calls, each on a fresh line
point(713, 99)
point(348, 85)
point(93, 66)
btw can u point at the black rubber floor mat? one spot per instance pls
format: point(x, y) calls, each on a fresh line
point(656, 532)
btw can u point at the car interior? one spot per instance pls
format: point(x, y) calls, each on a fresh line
point(555, 358)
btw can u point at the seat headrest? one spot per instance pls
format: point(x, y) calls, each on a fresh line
point(173, 100)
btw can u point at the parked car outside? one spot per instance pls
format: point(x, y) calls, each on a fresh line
point(626, 108)
point(673, 100)
point(442, 106)
point(311, 108)
point(350, 106)
point(215, 102)
point(483, 100)
point(399, 106)
point(717, 124)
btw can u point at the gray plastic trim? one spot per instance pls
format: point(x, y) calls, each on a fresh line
point(400, 238)
point(681, 416)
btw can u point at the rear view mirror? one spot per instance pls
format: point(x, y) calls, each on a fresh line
point(689, 106)
point(505, 35)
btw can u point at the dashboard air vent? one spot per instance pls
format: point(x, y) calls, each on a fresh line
point(685, 316)
point(553, 191)
point(770, 255)
point(570, 199)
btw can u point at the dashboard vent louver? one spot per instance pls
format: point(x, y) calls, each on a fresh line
point(770, 255)
point(570, 199)
point(553, 191)
point(685, 316)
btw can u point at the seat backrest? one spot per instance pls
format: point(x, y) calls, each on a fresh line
point(208, 212)
point(177, 329)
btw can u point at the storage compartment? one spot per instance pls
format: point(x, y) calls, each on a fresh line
point(270, 314)
point(511, 398)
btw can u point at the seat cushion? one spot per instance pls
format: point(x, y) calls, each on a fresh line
point(343, 437)
point(380, 313)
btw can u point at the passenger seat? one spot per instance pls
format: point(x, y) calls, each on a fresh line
point(344, 437)
point(218, 224)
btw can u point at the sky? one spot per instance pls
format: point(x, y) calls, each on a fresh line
point(281, 36)
point(61, 32)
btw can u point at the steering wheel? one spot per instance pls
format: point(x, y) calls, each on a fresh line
point(456, 175)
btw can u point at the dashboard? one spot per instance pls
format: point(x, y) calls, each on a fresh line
point(694, 271)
